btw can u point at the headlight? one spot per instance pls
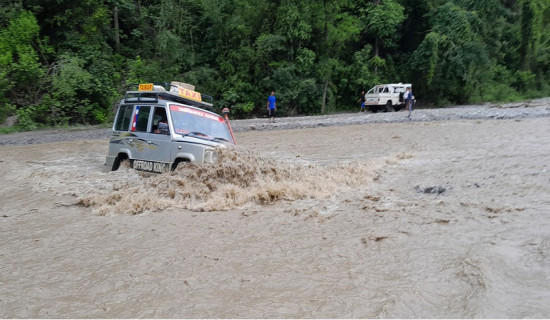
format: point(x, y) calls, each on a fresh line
point(210, 156)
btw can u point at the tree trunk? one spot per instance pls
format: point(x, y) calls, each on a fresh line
point(376, 55)
point(323, 103)
point(117, 34)
point(326, 21)
point(192, 48)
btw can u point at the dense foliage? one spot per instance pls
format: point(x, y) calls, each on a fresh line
point(65, 62)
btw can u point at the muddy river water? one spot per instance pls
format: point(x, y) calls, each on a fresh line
point(446, 219)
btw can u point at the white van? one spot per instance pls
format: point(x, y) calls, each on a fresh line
point(159, 126)
point(386, 97)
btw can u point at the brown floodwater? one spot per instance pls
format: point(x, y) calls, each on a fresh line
point(403, 220)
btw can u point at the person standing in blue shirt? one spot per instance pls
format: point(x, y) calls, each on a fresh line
point(272, 106)
point(362, 100)
point(409, 101)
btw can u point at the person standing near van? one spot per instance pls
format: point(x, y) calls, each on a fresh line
point(409, 100)
point(272, 106)
point(362, 100)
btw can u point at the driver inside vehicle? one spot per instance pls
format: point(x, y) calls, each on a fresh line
point(162, 127)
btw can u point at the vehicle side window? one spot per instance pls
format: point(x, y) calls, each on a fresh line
point(123, 118)
point(160, 121)
point(142, 118)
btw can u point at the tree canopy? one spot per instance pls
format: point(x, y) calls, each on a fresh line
point(66, 62)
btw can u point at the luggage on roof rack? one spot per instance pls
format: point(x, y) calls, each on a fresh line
point(175, 91)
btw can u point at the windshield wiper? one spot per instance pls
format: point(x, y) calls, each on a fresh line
point(220, 138)
point(195, 133)
point(204, 136)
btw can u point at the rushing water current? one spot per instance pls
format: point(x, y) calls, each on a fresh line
point(405, 220)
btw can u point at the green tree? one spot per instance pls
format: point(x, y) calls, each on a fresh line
point(22, 76)
point(364, 66)
point(65, 61)
point(338, 28)
point(71, 85)
point(535, 40)
point(292, 60)
point(382, 20)
point(452, 59)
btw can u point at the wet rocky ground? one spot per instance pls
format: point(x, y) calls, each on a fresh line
point(529, 109)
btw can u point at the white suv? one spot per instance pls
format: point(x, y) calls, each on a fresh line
point(386, 97)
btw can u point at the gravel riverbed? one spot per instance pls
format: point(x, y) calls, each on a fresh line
point(530, 109)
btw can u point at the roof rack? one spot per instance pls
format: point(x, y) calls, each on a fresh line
point(177, 92)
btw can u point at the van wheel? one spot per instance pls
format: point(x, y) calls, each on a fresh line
point(118, 160)
point(177, 162)
point(116, 164)
point(389, 106)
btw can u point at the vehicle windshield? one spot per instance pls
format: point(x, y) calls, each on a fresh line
point(192, 121)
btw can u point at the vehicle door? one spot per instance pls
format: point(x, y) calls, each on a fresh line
point(385, 94)
point(371, 97)
point(137, 139)
point(399, 92)
point(160, 138)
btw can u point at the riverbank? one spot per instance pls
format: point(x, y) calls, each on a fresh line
point(531, 109)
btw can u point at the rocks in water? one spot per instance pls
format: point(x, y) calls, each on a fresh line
point(432, 189)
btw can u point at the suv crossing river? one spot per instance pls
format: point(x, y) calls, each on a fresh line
point(159, 126)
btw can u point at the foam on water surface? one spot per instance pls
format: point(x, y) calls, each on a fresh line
point(241, 177)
